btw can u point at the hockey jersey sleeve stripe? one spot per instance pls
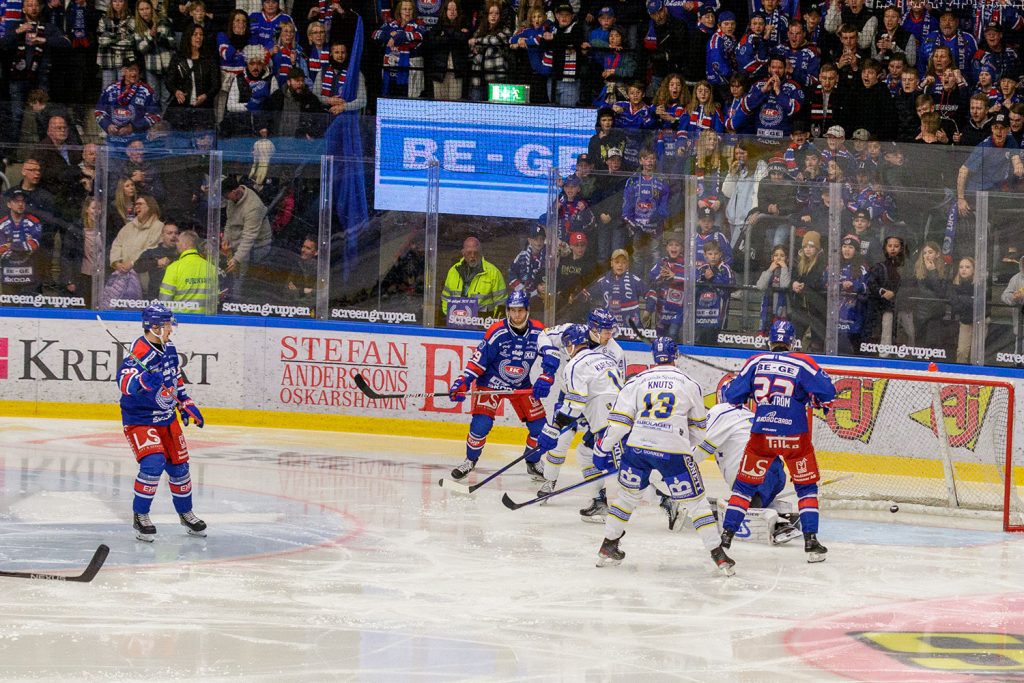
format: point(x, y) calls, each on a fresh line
point(621, 419)
point(699, 424)
point(575, 398)
point(708, 447)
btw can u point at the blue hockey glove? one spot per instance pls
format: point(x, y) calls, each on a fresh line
point(189, 411)
point(603, 459)
point(825, 407)
point(542, 387)
point(151, 381)
point(548, 438)
point(457, 392)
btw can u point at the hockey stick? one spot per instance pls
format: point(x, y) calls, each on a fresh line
point(640, 337)
point(507, 501)
point(122, 344)
point(98, 558)
point(369, 392)
point(459, 487)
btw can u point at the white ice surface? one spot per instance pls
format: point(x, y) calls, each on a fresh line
point(337, 557)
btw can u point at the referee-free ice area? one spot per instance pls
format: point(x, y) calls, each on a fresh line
point(338, 557)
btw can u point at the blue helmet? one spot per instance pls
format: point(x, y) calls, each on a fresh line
point(782, 332)
point(518, 299)
point(665, 350)
point(156, 315)
point(601, 319)
point(575, 335)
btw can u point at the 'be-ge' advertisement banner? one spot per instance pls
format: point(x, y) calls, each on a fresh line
point(494, 159)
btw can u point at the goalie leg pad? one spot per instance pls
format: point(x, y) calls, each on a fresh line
point(758, 525)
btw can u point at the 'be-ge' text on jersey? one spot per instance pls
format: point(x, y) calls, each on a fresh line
point(141, 407)
point(504, 358)
point(782, 384)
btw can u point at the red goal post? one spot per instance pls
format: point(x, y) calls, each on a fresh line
point(881, 444)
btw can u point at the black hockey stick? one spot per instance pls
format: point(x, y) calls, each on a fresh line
point(369, 392)
point(640, 336)
point(459, 487)
point(98, 558)
point(507, 501)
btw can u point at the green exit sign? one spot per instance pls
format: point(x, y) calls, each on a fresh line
point(508, 94)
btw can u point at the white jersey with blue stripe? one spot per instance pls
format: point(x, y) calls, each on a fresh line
point(592, 381)
point(554, 355)
point(662, 409)
point(725, 438)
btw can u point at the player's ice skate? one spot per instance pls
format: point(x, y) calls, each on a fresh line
point(545, 490)
point(193, 525)
point(815, 551)
point(671, 509)
point(609, 554)
point(462, 470)
point(144, 529)
point(535, 470)
point(596, 512)
point(785, 532)
point(723, 561)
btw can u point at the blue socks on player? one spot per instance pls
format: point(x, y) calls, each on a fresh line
point(807, 497)
point(146, 482)
point(181, 487)
point(739, 503)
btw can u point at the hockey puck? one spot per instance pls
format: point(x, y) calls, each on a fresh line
point(440, 482)
point(894, 509)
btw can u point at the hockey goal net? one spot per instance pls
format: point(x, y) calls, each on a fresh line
point(925, 441)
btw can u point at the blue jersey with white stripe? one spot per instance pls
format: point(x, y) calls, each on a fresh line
point(141, 407)
point(782, 385)
point(504, 358)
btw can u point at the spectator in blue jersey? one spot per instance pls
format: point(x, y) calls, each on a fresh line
point(961, 44)
point(446, 53)
point(707, 232)
point(776, 22)
point(919, 20)
point(702, 113)
point(502, 363)
point(22, 260)
point(995, 55)
point(669, 109)
point(231, 46)
point(773, 102)
point(287, 55)
point(664, 303)
point(152, 389)
point(634, 117)
point(991, 165)
point(330, 83)
point(783, 388)
point(401, 38)
point(264, 25)
point(617, 66)
point(715, 281)
point(598, 36)
point(619, 291)
point(126, 108)
point(645, 206)
point(803, 59)
point(247, 96)
point(721, 57)
point(529, 38)
point(193, 80)
point(527, 270)
point(489, 52)
point(853, 293)
point(752, 50)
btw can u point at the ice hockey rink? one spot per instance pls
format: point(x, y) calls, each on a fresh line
point(337, 556)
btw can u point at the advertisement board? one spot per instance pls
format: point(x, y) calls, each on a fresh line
point(494, 158)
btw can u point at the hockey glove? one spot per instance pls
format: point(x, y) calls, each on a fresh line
point(189, 411)
point(151, 381)
point(603, 460)
point(825, 407)
point(542, 387)
point(548, 438)
point(457, 392)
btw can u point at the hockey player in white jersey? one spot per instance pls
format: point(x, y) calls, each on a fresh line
point(601, 324)
point(662, 411)
point(727, 434)
point(593, 379)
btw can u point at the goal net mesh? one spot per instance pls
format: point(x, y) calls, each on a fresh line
point(920, 440)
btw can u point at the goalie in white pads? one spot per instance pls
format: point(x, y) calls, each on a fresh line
point(601, 324)
point(593, 379)
point(662, 411)
point(768, 520)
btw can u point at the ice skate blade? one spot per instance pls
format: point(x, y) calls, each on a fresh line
point(603, 561)
point(145, 538)
point(815, 557)
point(786, 536)
point(727, 569)
point(197, 534)
point(593, 519)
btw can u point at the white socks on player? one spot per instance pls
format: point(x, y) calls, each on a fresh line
point(699, 512)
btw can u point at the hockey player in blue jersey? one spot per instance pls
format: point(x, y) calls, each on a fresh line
point(151, 391)
point(502, 362)
point(782, 384)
